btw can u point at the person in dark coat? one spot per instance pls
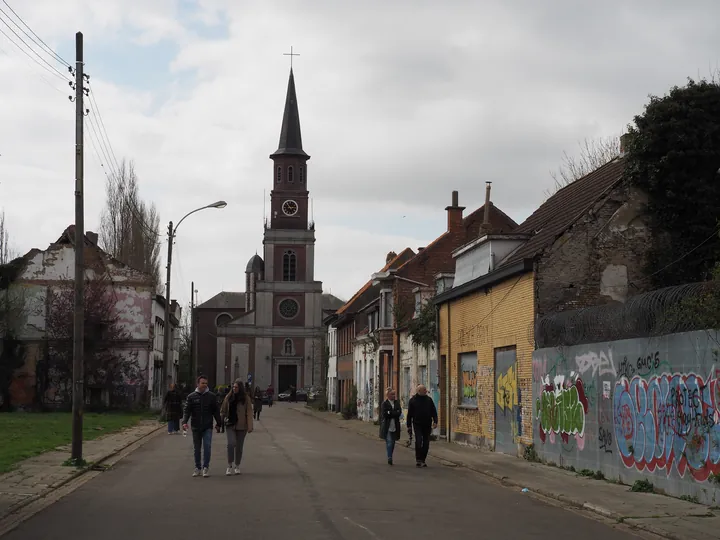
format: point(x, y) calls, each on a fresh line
point(257, 403)
point(422, 417)
point(172, 403)
point(390, 413)
point(293, 393)
point(202, 407)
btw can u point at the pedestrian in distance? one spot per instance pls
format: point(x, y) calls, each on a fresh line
point(257, 403)
point(391, 411)
point(221, 395)
point(202, 409)
point(422, 418)
point(172, 404)
point(270, 394)
point(237, 412)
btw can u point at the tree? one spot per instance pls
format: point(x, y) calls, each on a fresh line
point(423, 328)
point(129, 227)
point(674, 156)
point(13, 312)
point(594, 153)
point(107, 365)
point(6, 254)
point(186, 376)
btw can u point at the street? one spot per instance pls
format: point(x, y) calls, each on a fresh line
point(304, 479)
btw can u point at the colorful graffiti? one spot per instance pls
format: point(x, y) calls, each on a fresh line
point(669, 421)
point(561, 409)
point(469, 380)
point(506, 394)
point(468, 366)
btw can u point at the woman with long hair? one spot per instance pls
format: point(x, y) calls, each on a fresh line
point(237, 413)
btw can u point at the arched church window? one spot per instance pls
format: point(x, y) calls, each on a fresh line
point(289, 266)
point(302, 175)
point(288, 347)
point(290, 175)
point(279, 175)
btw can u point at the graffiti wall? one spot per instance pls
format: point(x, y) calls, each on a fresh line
point(638, 408)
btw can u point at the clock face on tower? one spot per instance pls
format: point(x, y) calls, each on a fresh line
point(290, 208)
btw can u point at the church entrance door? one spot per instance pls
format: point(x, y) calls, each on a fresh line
point(287, 375)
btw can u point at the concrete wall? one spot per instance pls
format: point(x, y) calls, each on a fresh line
point(636, 408)
point(490, 393)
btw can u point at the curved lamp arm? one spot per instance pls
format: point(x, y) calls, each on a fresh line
point(218, 204)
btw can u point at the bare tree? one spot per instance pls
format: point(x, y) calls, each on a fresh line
point(6, 254)
point(129, 227)
point(594, 153)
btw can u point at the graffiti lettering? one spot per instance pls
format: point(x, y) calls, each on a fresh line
point(506, 395)
point(603, 363)
point(626, 368)
point(670, 420)
point(561, 408)
point(469, 381)
point(605, 439)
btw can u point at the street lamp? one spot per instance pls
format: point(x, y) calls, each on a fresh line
point(171, 238)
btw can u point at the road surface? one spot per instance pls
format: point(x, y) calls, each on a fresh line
point(303, 479)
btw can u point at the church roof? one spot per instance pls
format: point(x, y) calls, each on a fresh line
point(225, 300)
point(290, 137)
point(255, 265)
point(331, 302)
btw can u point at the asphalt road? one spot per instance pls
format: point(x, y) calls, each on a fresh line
point(303, 479)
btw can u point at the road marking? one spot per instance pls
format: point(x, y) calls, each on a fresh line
point(363, 528)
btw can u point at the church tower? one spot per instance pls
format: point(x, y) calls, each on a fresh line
point(289, 284)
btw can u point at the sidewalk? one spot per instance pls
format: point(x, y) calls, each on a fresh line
point(665, 516)
point(38, 476)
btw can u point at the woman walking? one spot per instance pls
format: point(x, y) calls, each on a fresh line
point(173, 409)
point(237, 415)
point(391, 411)
point(258, 403)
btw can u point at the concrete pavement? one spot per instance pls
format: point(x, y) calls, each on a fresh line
point(302, 479)
point(665, 516)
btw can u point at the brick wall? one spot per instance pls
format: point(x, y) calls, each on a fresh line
point(482, 322)
point(600, 259)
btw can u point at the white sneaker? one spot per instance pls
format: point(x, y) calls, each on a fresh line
point(229, 471)
point(206, 472)
point(237, 470)
point(196, 472)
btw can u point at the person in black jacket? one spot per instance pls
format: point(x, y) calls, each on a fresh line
point(390, 414)
point(172, 403)
point(202, 407)
point(422, 417)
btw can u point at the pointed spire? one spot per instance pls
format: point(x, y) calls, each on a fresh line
point(290, 137)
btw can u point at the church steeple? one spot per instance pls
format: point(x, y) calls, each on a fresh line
point(290, 137)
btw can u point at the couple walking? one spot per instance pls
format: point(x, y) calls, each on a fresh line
point(235, 413)
point(422, 418)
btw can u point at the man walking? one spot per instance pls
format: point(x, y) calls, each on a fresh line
point(422, 417)
point(202, 408)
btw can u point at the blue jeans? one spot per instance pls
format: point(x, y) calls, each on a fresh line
point(173, 426)
point(202, 439)
point(390, 444)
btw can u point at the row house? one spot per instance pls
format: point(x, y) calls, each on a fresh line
point(157, 389)
point(584, 246)
point(356, 350)
point(405, 291)
point(118, 326)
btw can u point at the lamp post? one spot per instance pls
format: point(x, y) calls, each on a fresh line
point(171, 238)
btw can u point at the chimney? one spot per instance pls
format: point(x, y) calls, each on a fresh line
point(390, 256)
point(92, 237)
point(486, 217)
point(420, 249)
point(454, 214)
point(624, 140)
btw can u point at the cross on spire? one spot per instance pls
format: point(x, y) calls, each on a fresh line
point(291, 54)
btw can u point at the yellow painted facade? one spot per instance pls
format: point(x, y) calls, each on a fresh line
point(492, 323)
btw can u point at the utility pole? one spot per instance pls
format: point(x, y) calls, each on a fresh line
point(78, 393)
point(192, 331)
point(166, 340)
point(195, 344)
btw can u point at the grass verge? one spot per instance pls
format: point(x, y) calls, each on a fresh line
point(25, 435)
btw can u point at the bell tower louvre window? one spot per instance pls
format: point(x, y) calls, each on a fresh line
point(290, 175)
point(279, 175)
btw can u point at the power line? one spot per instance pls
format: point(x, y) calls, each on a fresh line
point(97, 110)
point(47, 48)
point(52, 68)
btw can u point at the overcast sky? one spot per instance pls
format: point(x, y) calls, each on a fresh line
point(400, 103)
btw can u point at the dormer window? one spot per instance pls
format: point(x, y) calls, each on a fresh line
point(302, 175)
point(290, 175)
point(279, 175)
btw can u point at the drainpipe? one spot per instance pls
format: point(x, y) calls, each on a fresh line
point(448, 385)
